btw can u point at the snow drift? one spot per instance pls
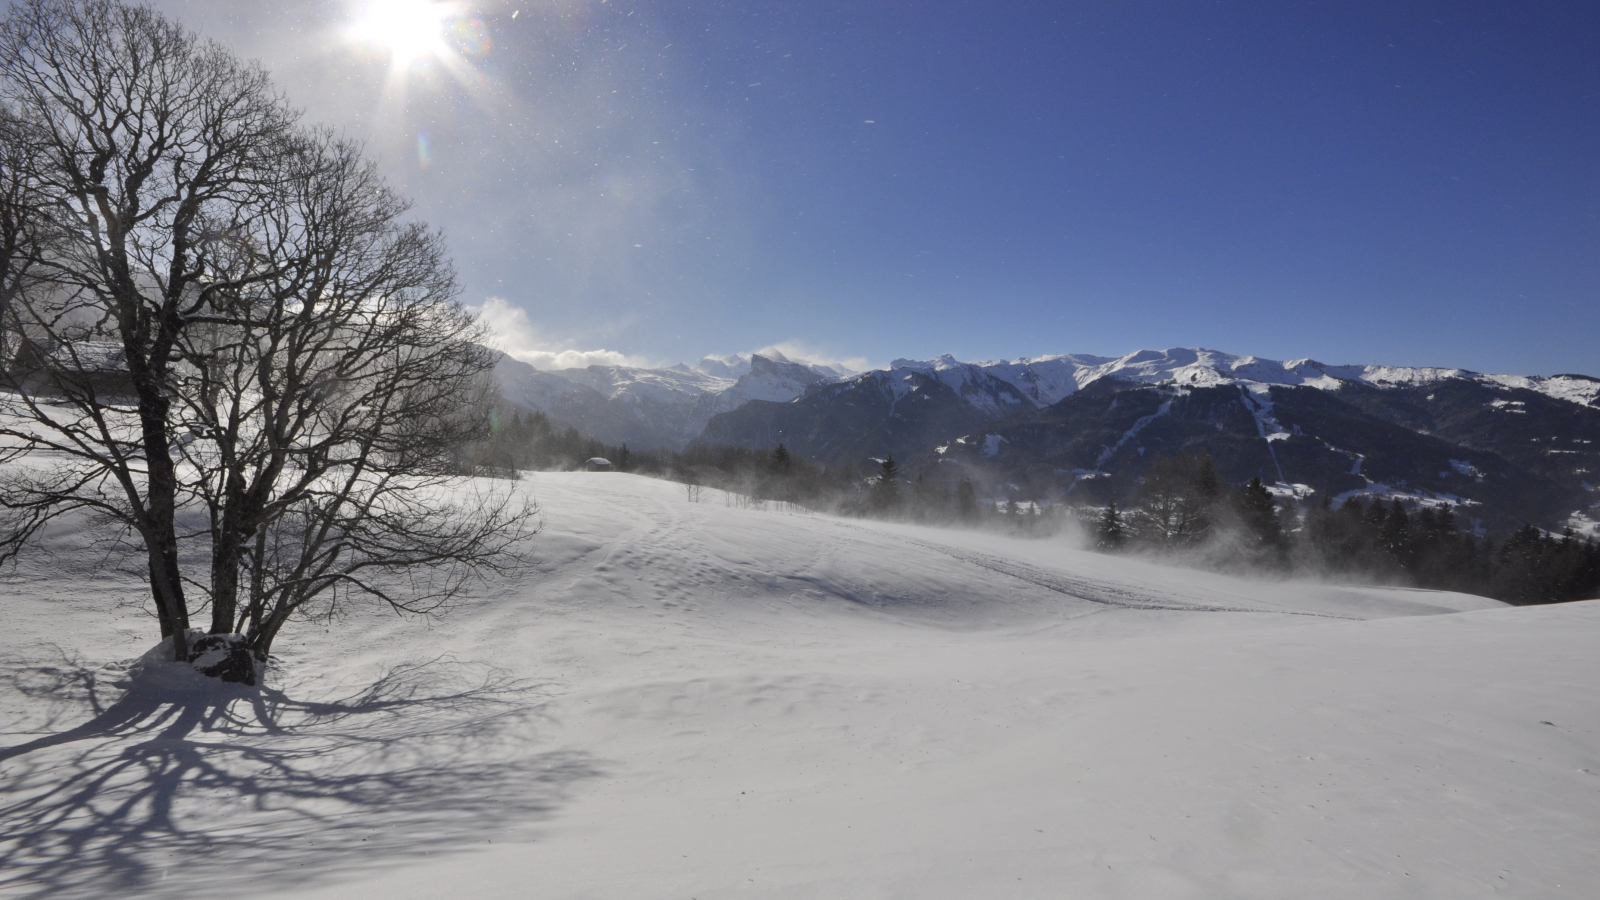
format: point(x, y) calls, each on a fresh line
point(690, 699)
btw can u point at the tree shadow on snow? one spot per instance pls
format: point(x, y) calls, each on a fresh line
point(179, 783)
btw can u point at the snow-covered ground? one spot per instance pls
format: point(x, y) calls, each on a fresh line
point(691, 700)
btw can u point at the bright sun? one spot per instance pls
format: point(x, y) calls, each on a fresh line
point(408, 30)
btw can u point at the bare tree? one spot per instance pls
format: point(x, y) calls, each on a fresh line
point(1177, 499)
point(147, 137)
point(231, 313)
point(331, 399)
point(22, 232)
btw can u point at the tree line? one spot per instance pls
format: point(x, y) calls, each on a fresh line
point(530, 440)
point(1183, 507)
point(521, 440)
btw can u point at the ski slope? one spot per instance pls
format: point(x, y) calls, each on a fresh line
point(693, 700)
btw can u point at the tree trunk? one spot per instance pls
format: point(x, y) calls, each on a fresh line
point(161, 493)
point(227, 552)
point(261, 639)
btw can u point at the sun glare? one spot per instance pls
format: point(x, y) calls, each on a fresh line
point(409, 31)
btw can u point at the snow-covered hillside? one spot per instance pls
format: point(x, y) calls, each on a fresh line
point(695, 700)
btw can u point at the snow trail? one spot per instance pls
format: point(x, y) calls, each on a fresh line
point(1101, 592)
point(1258, 399)
point(1132, 433)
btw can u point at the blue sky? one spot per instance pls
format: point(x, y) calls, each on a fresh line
point(1356, 182)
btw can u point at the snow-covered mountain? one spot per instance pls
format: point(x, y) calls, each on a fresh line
point(669, 407)
point(1513, 448)
point(1037, 382)
point(866, 403)
point(1043, 422)
point(1046, 380)
point(648, 408)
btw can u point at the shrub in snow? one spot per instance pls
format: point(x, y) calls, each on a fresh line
point(223, 657)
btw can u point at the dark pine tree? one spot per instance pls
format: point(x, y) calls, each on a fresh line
point(1394, 539)
point(1207, 486)
point(966, 501)
point(1258, 513)
point(1109, 534)
point(886, 487)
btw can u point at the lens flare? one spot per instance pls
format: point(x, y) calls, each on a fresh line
point(409, 31)
point(424, 155)
point(470, 37)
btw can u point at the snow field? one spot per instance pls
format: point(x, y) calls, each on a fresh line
point(693, 700)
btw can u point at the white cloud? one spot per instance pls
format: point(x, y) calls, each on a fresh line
point(795, 351)
point(513, 333)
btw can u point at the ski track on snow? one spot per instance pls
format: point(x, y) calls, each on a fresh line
point(1092, 591)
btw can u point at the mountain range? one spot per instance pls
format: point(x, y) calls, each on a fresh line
point(657, 408)
point(1503, 449)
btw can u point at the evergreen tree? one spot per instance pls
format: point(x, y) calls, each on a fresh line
point(966, 501)
point(1207, 486)
point(1374, 517)
point(1258, 513)
point(886, 486)
point(1350, 544)
point(1109, 535)
point(1289, 517)
point(941, 502)
point(1394, 538)
point(922, 499)
point(1312, 545)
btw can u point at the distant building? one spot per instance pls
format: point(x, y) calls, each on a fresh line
point(599, 465)
point(78, 367)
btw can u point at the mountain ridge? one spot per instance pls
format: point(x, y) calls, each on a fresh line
point(1050, 427)
point(676, 395)
point(1203, 366)
point(655, 407)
